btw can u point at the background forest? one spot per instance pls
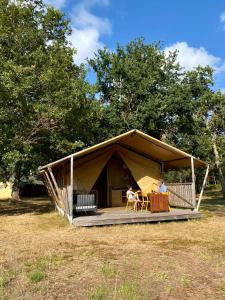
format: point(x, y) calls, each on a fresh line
point(49, 109)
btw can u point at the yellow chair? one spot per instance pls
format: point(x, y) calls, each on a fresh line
point(145, 201)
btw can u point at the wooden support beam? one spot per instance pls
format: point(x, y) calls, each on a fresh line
point(202, 189)
point(44, 179)
point(51, 187)
point(71, 188)
point(47, 186)
point(193, 181)
point(162, 169)
point(59, 196)
point(177, 159)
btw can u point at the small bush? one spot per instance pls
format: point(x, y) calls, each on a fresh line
point(36, 276)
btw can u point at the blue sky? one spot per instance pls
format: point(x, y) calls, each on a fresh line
point(195, 28)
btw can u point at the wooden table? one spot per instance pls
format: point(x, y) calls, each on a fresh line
point(159, 202)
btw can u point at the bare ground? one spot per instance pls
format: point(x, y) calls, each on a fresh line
point(42, 257)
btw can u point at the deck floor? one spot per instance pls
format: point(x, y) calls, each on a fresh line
point(111, 216)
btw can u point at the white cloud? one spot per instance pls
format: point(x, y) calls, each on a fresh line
point(190, 57)
point(87, 42)
point(56, 3)
point(83, 19)
point(87, 30)
point(222, 20)
point(222, 17)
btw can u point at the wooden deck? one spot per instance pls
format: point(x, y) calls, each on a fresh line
point(116, 216)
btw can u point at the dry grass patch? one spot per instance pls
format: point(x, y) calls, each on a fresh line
point(43, 257)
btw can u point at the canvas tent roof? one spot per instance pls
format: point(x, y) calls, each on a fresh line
point(142, 144)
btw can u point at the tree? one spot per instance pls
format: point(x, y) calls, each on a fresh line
point(140, 87)
point(45, 102)
point(215, 124)
point(134, 84)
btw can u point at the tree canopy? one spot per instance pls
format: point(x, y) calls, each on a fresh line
point(48, 108)
point(45, 100)
point(141, 87)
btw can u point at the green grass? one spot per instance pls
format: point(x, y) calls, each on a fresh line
point(108, 271)
point(36, 276)
point(130, 290)
point(100, 293)
point(6, 276)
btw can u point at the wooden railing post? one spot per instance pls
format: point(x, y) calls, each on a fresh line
point(55, 196)
point(162, 169)
point(202, 189)
point(193, 181)
point(59, 195)
point(71, 189)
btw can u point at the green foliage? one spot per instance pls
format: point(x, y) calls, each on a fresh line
point(48, 109)
point(134, 83)
point(45, 101)
point(140, 87)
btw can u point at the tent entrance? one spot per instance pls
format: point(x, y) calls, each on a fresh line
point(111, 186)
point(100, 189)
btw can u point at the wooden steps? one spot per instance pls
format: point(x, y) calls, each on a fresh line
point(130, 217)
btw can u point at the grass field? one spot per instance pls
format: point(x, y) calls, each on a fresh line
point(42, 257)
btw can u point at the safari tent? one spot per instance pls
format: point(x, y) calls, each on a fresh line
point(104, 172)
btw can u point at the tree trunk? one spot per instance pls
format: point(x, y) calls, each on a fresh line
point(217, 162)
point(16, 182)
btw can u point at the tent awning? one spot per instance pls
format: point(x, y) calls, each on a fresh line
point(144, 145)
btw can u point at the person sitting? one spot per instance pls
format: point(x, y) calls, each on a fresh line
point(132, 198)
point(162, 187)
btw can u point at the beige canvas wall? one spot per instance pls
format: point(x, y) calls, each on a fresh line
point(87, 170)
point(145, 171)
point(118, 173)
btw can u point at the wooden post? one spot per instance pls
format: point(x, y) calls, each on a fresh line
point(44, 179)
point(48, 188)
point(202, 189)
point(56, 188)
point(162, 170)
point(193, 181)
point(51, 187)
point(71, 189)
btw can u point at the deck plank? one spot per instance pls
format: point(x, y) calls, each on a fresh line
point(124, 217)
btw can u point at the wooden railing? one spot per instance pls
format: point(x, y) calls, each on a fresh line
point(180, 195)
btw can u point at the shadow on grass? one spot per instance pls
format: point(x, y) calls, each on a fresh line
point(9, 207)
point(214, 203)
